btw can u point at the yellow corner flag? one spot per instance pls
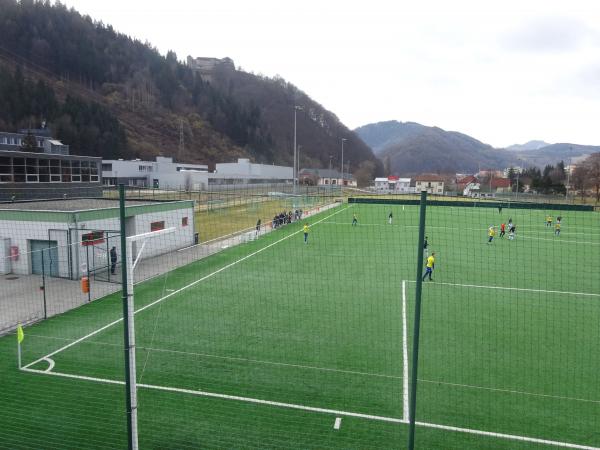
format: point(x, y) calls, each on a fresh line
point(20, 334)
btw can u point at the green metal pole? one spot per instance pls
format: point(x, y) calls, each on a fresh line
point(130, 440)
point(417, 325)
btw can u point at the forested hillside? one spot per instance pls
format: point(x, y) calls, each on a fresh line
point(109, 95)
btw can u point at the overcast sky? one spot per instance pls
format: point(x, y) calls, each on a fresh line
point(504, 72)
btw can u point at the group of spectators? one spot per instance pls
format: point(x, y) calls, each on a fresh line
point(286, 217)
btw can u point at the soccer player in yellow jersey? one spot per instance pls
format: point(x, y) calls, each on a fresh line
point(305, 230)
point(491, 234)
point(354, 220)
point(548, 220)
point(557, 229)
point(429, 266)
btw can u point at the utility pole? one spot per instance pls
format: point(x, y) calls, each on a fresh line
point(343, 139)
point(181, 143)
point(296, 109)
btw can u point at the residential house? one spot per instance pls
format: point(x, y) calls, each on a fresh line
point(433, 184)
point(326, 177)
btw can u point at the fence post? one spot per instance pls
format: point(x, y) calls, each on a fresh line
point(44, 285)
point(129, 351)
point(417, 324)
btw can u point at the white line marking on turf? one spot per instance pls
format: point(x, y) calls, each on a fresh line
point(352, 372)
point(274, 363)
point(338, 423)
point(323, 410)
point(404, 356)
point(510, 391)
point(504, 288)
point(511, 437)
point(51, 364)
point(149, 305)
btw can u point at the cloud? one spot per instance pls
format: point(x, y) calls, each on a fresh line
point(548, 35)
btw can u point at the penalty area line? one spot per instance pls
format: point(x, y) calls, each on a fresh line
point(335, 412)
point(507, 288)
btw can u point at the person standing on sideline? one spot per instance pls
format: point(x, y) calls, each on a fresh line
point(502, 229)
point(491, 234)
point(429, 267)
point(390, 217)
point(258, 223)
point(113, 259)
point(425, 244)
point(306, 230)
point(500, 208)
point(354, 220)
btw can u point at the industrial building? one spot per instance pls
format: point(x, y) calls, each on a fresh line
point(166, 174)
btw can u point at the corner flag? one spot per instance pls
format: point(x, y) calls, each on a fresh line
point(20, 334)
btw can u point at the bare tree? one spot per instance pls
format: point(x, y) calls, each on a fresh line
point(592, 165)
point(579, 180)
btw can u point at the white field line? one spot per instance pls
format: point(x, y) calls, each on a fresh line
point(51, 364)
point(273, 363)
point(351, 372)
point(322, 410)
point(226, 397)
point(404, 356)
point(237, 358)
point(509, 391)
point(149, 305)
point(504, 288)
point(511, 437)
point(338, 423)
point(484, 230)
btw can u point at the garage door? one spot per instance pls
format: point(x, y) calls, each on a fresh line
point(44, 258)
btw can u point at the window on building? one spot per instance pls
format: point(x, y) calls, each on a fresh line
point(55, 170)
point(156, 226)
point(184, 221)
point(106, 167)
point(92, 238)
point(44, 170)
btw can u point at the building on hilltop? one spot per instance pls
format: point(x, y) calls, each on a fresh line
point(206, 67)
point(49, 171)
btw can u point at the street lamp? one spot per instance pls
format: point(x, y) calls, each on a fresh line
point(295, 174)
point(298, 164)
point(343, 139)
point(569, 173)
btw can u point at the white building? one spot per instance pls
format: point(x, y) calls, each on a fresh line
point(77, 234)
point(326, 177)
point(244, 168)
point(393, 185)
point(162, 173)
point(433, 184)
point(166, 174)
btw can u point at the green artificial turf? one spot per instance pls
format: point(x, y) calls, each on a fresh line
point(320, 325)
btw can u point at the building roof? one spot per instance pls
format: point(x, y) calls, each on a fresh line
point(429, 177)
point(71, 204)
point(500, 183)
point(467, 180)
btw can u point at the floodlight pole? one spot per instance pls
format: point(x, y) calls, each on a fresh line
point(128, 328)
